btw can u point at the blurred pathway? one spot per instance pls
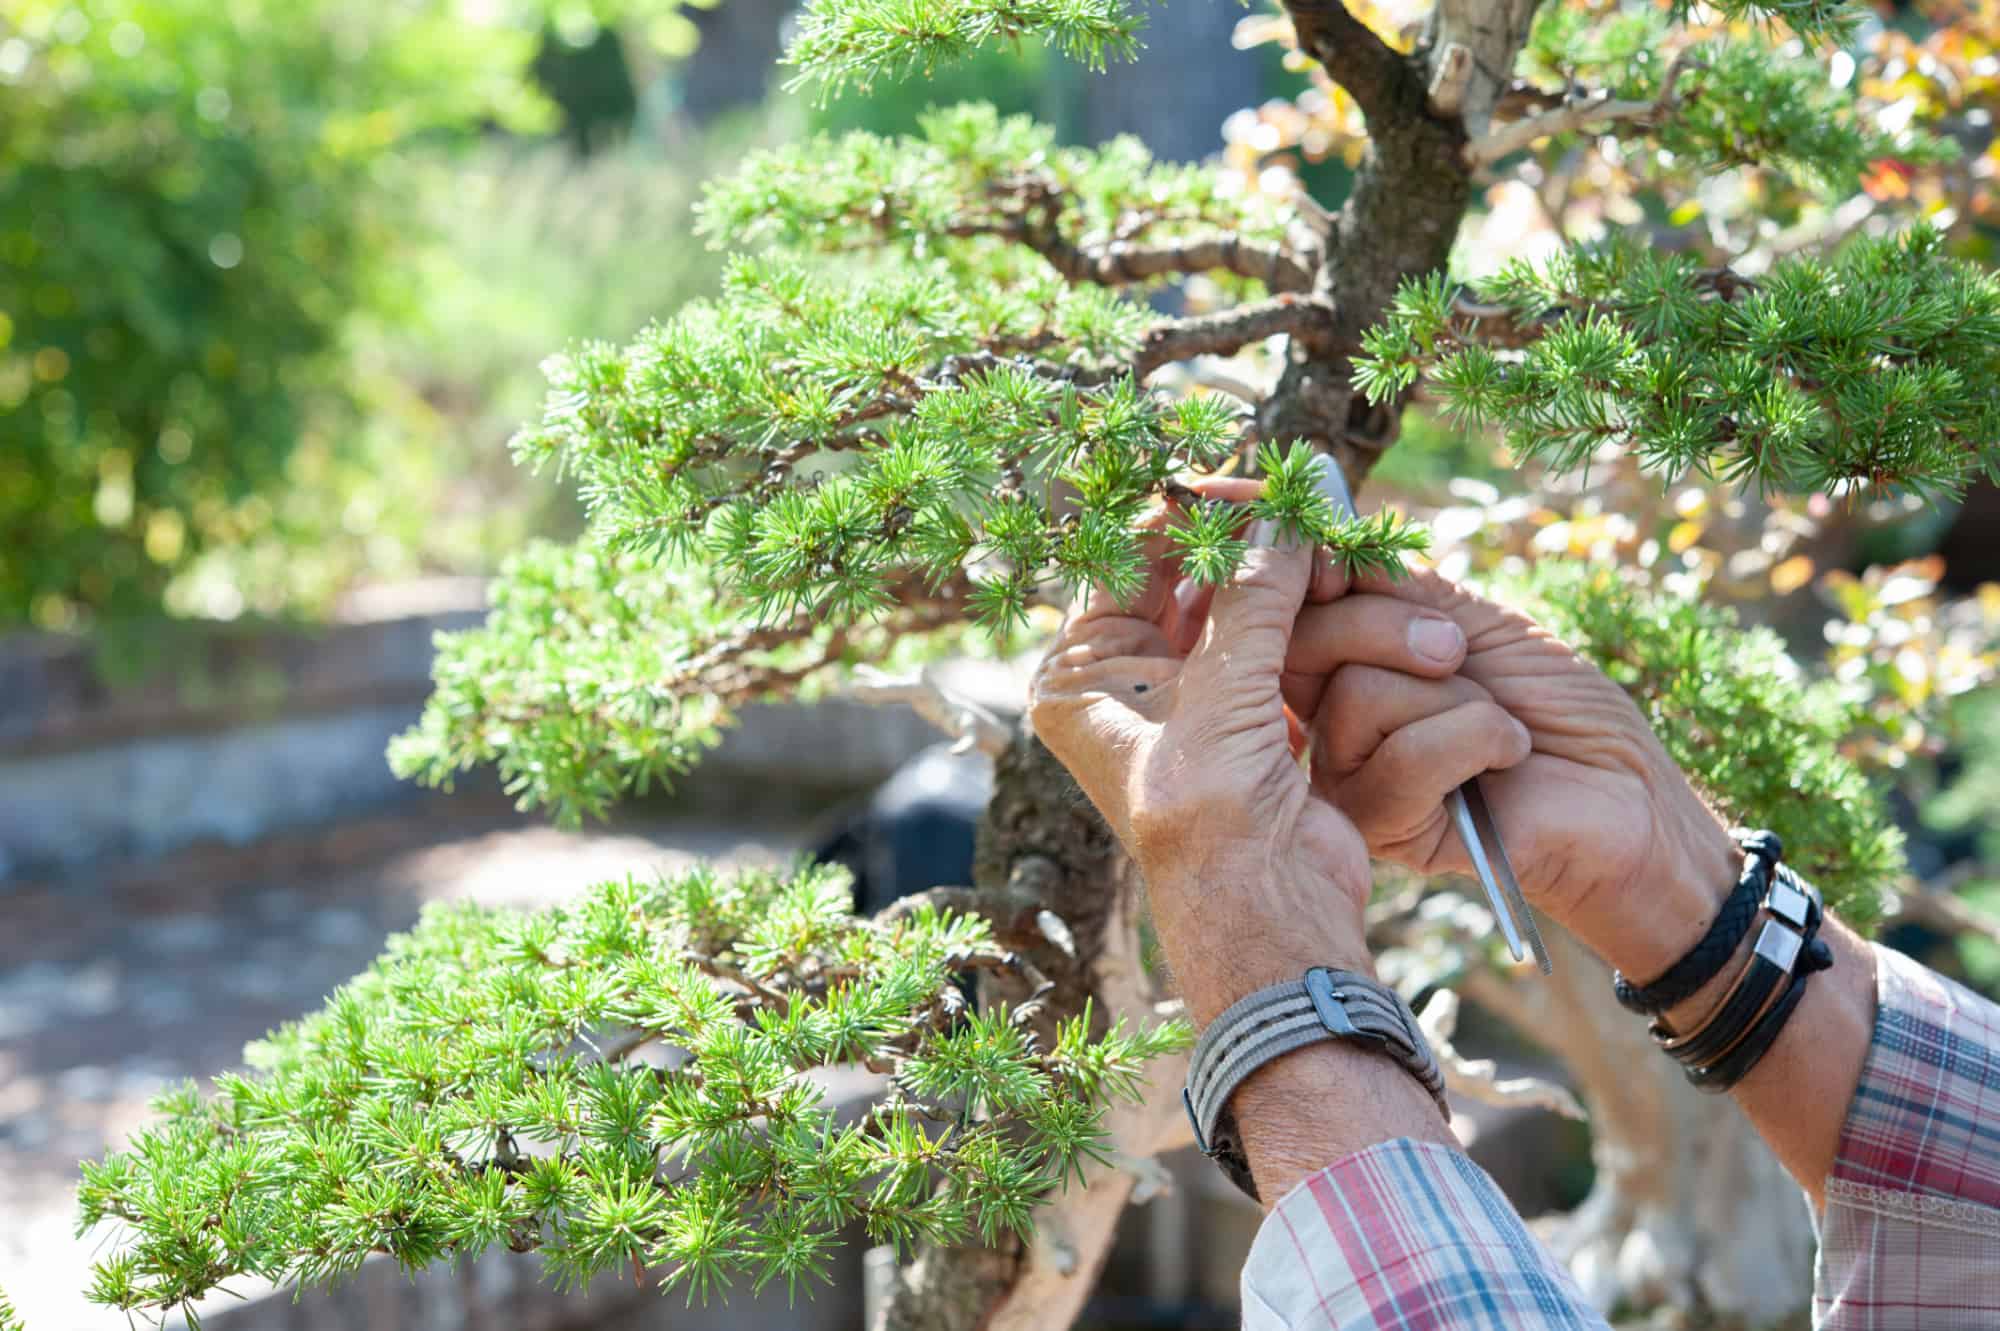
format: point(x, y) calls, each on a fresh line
point(114, 986)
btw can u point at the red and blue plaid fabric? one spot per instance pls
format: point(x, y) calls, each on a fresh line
point(1414, 1236)
point(1409, 1235)
point(1911, 1236)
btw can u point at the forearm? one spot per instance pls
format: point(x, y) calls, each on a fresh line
point(1798, 1094)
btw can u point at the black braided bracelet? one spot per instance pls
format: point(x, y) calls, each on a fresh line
point(1769, 969)
point(1761, 852)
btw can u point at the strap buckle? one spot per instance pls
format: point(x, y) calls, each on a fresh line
point(1328, 1004)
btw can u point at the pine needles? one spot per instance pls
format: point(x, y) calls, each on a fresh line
point(481, 1087)
point(1877, 367)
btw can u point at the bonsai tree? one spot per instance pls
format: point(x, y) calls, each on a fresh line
point(938, 390)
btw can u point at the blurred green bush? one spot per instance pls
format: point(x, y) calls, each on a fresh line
point(191, 208)
point(274, 280)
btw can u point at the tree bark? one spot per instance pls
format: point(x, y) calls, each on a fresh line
point(1689, 1210)
point(1409, 196)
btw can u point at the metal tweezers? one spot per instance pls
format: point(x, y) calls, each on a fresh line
point(1466, 805)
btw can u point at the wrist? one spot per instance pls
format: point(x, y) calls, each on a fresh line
point(1318, 1105)
point(1226, 935)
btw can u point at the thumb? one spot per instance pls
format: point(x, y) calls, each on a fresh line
point(1241, 653)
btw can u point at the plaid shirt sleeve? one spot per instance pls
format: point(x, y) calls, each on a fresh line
point(1416, 1237)
point(1406, 1235)
point(1911, 1236)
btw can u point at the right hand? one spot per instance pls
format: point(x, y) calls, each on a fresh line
point(1595, 810)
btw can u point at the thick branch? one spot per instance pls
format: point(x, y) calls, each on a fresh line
point(1479, 1079)
point(952, 369)
point(1309, 320)
point(1042, 848)
point(966, 722)
point(1118, 263)
point(1376, 76)
point(1074, 1227)
point(1933, 904)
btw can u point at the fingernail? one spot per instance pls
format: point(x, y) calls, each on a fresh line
point(1438, 640)
point(1263, 533)
point(1527, 736)
point(1186, 592)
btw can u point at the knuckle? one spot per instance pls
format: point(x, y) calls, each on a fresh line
point(1352, 685)
point(1399, 752)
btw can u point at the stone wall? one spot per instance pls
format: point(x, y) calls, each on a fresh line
point(231, 733)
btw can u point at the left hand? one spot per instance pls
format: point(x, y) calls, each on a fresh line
point(1253, 877)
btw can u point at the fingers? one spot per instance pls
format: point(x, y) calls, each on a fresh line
point(1329, 579)
point(1096, 707)
point(1485, 622)
point(1235, 664)
point(1191, 600)
point(1366, 629)
point(1081, 670)
point(1396, 796)
point(1365, 704)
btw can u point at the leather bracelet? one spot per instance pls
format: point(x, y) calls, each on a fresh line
point(1733, 1068)
point(1795, 912)
point(1761, 853)
point(1770, 965)
point(1324, 1004)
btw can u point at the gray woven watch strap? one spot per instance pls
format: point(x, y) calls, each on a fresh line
point(1323, 1005)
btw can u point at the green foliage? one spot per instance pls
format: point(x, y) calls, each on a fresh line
point(190, 208)
point(842, 43)
point(1875, 367)
point(569, 685)
point(831, 443)
point(9, 1319)
point(481, 1086)
point(1822, 20)
point(1758, 101)
point(1737, 715)
point(597, 676)
point(837, 460)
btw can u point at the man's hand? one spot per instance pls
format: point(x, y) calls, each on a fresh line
point(1595, 812)
point(1253, 877)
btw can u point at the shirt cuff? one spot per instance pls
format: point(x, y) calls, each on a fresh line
point(1406, 1234)
point(1925, 1119)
